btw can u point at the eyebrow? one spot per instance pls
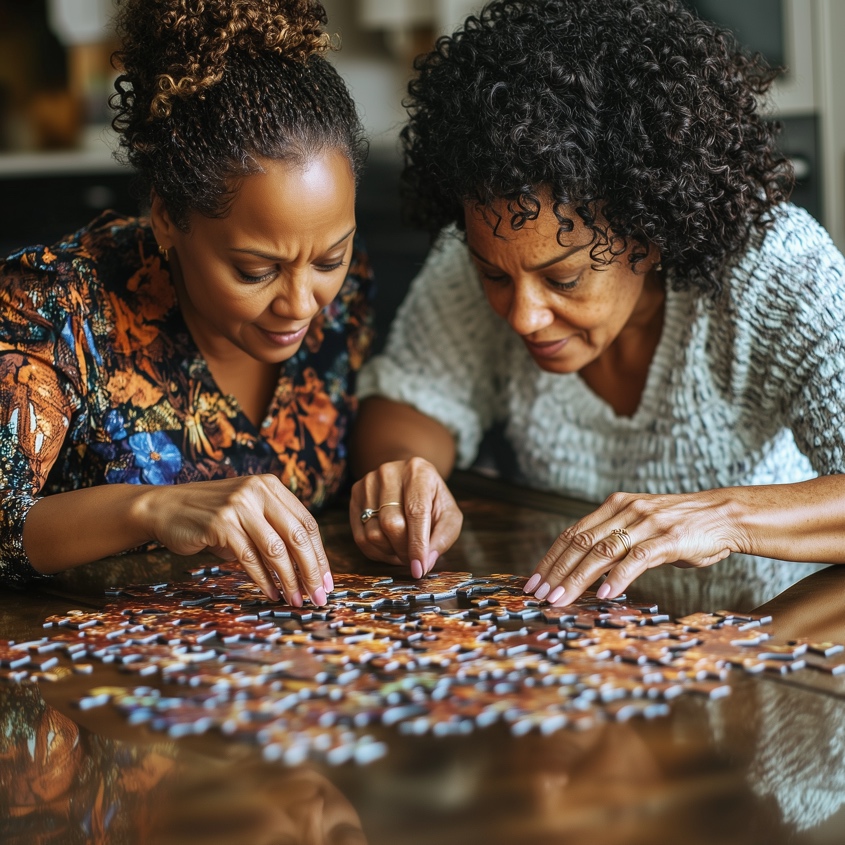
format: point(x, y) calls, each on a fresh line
point(535, 268)
point(258, 254)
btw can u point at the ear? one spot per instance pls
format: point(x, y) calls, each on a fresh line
point(163, 227)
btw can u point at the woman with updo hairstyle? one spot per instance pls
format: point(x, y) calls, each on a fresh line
point(186, 379)
point(621, 285)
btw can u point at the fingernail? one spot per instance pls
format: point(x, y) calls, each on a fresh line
point(543, 591)
point(432, 559)
point(556, 595)
point(604, 591)
point(328, 581)
point(274, 594)
point(532, 584)
point(296, 599)
point(319, 597)
point(416, 569)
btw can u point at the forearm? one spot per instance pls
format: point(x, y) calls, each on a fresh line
point(392, 431)
point(802, 522)
point(68, 529)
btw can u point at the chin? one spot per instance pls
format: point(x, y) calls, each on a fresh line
point(559, 367)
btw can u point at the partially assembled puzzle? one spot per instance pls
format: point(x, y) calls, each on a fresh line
point(444, 655)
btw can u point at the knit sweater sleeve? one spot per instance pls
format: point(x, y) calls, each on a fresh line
point(440, 355)
point(798, 310)
point(811, 341)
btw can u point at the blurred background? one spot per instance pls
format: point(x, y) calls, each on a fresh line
point(57, 170)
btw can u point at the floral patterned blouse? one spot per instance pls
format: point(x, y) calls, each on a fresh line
point(101, 383)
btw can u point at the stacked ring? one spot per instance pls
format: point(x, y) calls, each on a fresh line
point(624, 536)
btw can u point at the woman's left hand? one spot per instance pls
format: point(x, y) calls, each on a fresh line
point(631, 533)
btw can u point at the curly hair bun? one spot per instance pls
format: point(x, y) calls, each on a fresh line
point(182, 47)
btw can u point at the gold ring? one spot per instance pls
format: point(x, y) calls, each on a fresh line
point(624, 536)
point(369, 513)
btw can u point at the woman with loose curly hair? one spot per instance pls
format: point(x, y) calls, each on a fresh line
point(186, 379)
point(619, 283)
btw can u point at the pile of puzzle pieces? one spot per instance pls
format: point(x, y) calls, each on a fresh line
point(444, 655)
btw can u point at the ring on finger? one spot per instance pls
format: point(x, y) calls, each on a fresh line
point(368, 513)
point(624, 536)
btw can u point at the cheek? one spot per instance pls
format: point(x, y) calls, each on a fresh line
point(326, 292)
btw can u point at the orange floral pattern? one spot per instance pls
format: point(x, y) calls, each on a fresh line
point(101, 382)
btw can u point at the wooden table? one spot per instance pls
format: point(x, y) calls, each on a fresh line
point(764, 765)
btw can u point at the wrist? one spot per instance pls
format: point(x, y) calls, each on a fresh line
point(144, 511)
point(740, 517)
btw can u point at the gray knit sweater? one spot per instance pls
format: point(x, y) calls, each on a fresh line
point(747, 390)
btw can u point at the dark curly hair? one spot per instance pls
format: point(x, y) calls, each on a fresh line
point(209, 86)
point(637, 114)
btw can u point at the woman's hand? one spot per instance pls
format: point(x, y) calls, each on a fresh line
point(254, 520)
point(417, 517)
point(631, 533)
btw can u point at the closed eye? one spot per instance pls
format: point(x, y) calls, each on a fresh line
point(254, 280)
point(563, 286)
point(329, 268)
point(496, 279)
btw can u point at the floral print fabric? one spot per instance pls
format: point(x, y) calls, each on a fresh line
point(101, 382)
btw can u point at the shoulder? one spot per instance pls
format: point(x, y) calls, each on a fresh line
point(108, 249)
point(448, 261)
point(793, 273)
point(794, 257)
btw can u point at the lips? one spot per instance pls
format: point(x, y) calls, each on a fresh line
point(547, 349)
point(284, 338)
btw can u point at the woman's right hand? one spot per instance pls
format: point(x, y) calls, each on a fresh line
point(422, 525)
point(254, 520)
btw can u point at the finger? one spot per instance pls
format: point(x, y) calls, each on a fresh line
point(390, 526)
point(250, 560)
point(564, 555)
point(274, 557)
point(582, 535)
point(573, 579)
point(305, 546)
point(357, 503)
point(364, 495)
point(645, 555)
point(648, 555)
point(418, 506)
point(300, 534)
point(421, 489)
point(446, 530)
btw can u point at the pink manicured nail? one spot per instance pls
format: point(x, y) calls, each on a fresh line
point(604, 591)
point(556, 595)
point(416, 569)
point(296, 599)
point(543, 591)
point(432, 559)
point(319, 597)
point(328, 582)
point(532, 584)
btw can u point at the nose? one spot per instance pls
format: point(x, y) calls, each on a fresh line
point(527, 309)
point(295, 299)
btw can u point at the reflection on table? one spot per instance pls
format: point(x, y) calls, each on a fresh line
point(762, 765)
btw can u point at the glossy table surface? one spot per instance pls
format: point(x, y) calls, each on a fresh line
point(766, 764)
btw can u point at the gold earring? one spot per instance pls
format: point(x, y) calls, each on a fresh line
point(163, 252)
point(658, 266)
